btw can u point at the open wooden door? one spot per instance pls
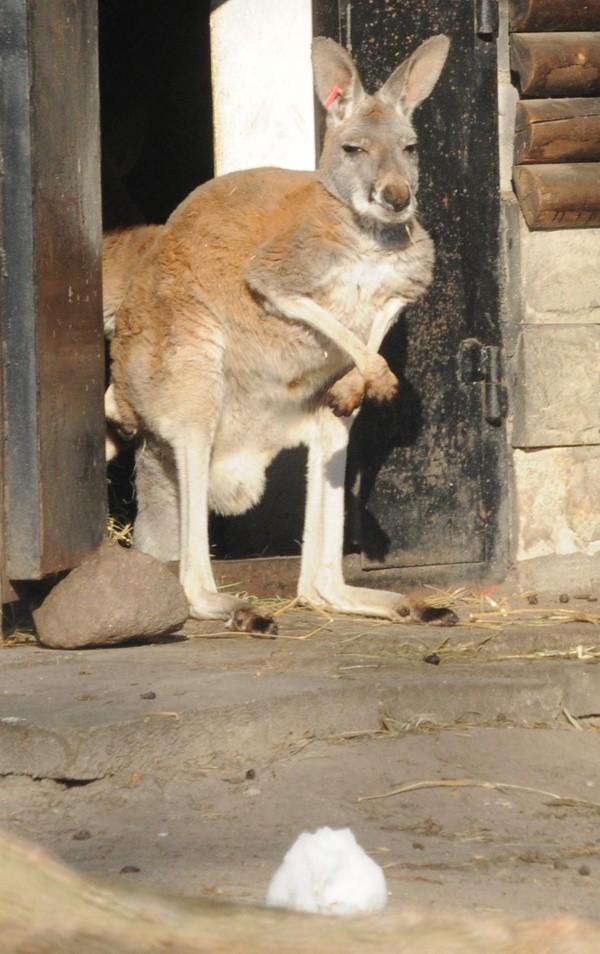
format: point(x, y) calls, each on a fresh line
point(52, 362)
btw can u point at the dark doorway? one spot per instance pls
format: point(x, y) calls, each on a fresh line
point(157, 146)
point(156, 132)
point(156, 106)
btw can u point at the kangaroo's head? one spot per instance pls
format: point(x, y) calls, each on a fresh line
point(369, 158)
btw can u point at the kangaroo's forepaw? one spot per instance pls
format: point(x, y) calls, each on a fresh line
point(432, 615)
point(346, 395)
point(246, 620)
point(383, 387)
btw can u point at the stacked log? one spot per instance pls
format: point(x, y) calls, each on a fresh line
point(555, 59)
point(541, 16)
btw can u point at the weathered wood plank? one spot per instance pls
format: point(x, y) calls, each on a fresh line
point(50, 295)
point(556, 64)
point(557, 130)
point(565, 196)
point(539, 16)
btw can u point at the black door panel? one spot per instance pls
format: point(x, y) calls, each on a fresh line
point(428, 469)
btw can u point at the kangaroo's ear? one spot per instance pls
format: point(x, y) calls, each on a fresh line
point(414, 80)
point(337, 82)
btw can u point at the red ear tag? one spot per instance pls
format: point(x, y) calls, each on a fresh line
point(335, 92)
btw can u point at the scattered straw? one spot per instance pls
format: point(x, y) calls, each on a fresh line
point(535, 616)
point(484, 611)
point(119, 532)
point(462, 597)
point(478, 783)
point(576, 652)
point(571, 718)
point(18, 637)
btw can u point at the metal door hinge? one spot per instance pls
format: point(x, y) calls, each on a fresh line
point(478, 363)
point(486, 19)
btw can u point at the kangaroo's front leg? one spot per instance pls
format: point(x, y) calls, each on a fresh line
point(321, 574)
point(380, 383)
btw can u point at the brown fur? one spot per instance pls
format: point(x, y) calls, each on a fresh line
point(122, 252)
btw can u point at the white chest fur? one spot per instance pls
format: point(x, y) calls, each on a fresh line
point(360, 286)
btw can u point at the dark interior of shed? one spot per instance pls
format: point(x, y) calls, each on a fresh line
point(156, 106)
point(157, 145)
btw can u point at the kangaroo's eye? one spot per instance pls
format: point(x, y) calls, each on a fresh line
point(350, 149)
point(410, 148)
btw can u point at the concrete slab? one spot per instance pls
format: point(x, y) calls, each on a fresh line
point(191, 764)
point(83, 715)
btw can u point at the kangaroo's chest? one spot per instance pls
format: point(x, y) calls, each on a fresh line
point(359, 286)
point(366, 279)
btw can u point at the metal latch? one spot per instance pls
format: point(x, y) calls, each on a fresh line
point(486, 19)
point(481, 363)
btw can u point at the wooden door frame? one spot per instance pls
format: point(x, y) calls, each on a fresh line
point(52, 367)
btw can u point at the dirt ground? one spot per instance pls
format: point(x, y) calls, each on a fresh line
point(191, 764)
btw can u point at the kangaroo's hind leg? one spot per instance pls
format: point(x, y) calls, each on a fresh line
point(321, 575)
point(192, 404)
point(192, 454)
point(156, 529)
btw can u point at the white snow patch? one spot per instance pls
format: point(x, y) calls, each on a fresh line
point(327, 872)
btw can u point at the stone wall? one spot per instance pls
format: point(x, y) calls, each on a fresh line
point(552, 334)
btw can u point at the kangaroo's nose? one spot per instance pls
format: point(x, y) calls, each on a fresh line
point(395, 198)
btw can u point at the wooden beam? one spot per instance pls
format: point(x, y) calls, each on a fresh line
point(556, 64)
point(50, 294)
point(557, 130)
point(539, 16)
point(565, 196)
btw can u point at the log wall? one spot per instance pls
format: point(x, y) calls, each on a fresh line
point(557, 130)
point(555, 61)
point(540, 16)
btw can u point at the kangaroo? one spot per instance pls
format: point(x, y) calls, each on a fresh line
point(123, 251)
point(254, 325)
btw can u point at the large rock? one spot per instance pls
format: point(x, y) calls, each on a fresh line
point(114, 595)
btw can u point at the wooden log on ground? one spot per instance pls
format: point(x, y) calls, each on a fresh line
point(539, 16)
point(565, 196)
point(557, 130)
point(47, 909)
point(556, 64)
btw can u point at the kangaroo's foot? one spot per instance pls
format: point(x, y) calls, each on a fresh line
point(381, 604)
point(246, 619)
point(420, 612)
point(240, 616)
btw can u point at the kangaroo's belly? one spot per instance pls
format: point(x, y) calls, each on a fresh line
point(249, 436)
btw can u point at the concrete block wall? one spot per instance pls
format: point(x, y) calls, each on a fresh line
point(263, 109)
